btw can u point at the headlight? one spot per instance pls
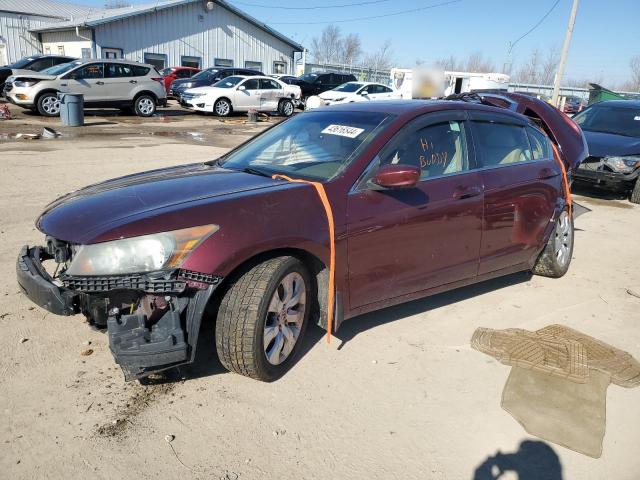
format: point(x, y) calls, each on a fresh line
point(623, 164)
point(146, 253)
point(25, 83)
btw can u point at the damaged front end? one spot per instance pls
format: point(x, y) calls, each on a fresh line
point(152, 318)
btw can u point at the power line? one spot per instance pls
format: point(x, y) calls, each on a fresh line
point(369, 18)
point(513, 44)
point(370, 2)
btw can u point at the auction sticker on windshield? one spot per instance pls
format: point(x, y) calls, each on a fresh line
point(343, 131)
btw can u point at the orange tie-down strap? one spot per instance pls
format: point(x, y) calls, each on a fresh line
point(332, 245)
point(567, 190)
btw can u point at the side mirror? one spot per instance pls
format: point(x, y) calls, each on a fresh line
point(397, 176)
point(365, 93)
point(242, 87)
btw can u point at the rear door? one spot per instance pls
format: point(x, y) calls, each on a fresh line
point(271, 94)
point(87, 80)
point(521, 188)
point(119, 81)
point(430, 234)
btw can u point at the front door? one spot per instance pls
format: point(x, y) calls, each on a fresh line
point(112, 53)
point(406, 241)
point(249, 97)
point(87, 80)
point(521, 186)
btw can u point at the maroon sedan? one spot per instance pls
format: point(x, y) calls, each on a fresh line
point(424, 196)
point(171, 74)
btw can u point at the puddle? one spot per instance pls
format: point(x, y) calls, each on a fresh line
point(558, 382)
point(609, 203)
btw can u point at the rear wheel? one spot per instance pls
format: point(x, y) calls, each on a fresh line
point(555, 258)
point(48, 105)
point(285, 108)
point(222, 107)
point(635, 193)
point(144, 106)
point(262, 319)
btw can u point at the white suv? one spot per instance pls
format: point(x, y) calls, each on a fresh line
point(104, 83)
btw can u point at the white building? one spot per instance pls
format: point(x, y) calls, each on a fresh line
point(202, 33)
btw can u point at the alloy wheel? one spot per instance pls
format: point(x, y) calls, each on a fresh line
point(51, 105)
point(146, 106)
point(285, 315)
point(563, 237)
point(222, 108)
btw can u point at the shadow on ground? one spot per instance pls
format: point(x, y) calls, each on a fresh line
point(534, 460)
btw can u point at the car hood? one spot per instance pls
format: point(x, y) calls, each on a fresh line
point(86, 215)
point(188, 83)
point(332, 95)
point(197, 90)
point(32, 74)
point(602, 144)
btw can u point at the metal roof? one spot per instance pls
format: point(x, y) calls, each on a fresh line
point(102, 16)
point(45, 8)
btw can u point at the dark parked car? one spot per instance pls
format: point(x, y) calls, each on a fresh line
point(172, 74)
point(612, 130)
point(208, 77)
point(573, 105)
point(425, 196)
point(316, 83)
point(35, 63)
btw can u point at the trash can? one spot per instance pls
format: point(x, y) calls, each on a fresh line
point(71, 109)
point(600, 94)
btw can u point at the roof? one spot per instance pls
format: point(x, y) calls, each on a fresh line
point(102, 16)
point(45, 8)
point(620, 103)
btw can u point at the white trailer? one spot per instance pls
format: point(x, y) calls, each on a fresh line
point(425, 83)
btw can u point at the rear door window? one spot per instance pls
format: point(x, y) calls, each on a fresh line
point(500, 144)
point(268, 84)
point(41, 64)
point(117, 70)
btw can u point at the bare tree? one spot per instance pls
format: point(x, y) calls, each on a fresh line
point(351, 49)
point(549, 67)
point(476, 63)
point(380, 59)
point(328, 47)
point(529, 73)
point(634, 63)
point(450, 64)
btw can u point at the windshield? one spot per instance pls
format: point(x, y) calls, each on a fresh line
point(228, 82)
point(315, 145)
point(349, 87)
point(606, 119)
point(60, 69)
point(166, 71)
point(21, 63)
point(308, 77)
point(205, 74)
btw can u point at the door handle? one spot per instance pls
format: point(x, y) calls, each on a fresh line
point(460, 193)
point(99, 83)
point(133, 81)
point(547, 173)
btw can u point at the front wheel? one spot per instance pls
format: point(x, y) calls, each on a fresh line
point(144, 106)
point(285, 108)
point(262, 319)
point(222, 107)
point(48, 105)
point(635, 193)
point(555, 258)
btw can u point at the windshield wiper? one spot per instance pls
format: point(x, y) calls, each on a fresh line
point(255, 171)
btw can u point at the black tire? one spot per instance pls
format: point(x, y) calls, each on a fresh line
point(549, 264)
point(285, 107)
point(242, 315)
point(635, 193)
point(144, 106)
point(48, 104)
point(222, 107)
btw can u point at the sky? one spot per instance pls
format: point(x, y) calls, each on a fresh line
point(605, 37)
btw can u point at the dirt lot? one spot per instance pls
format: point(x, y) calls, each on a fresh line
point(403, 397)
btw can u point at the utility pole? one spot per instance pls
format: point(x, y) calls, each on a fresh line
point(565, 52)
